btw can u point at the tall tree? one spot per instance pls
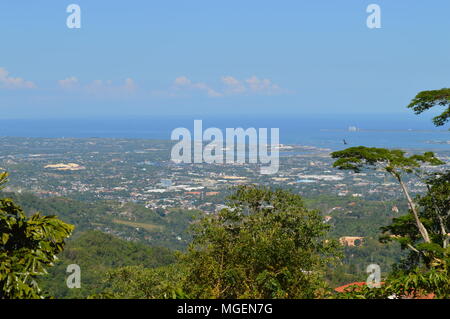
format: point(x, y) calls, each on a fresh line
point(28, 245)
point(266, 244)
point(394, 162)
point(426, 231)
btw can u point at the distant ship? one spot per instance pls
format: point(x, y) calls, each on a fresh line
point(353, 129)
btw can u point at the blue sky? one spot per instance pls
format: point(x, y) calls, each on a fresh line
point(133, 58)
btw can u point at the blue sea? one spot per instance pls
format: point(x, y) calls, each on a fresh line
point(325, 131)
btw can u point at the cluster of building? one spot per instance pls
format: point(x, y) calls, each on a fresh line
point(141, 171)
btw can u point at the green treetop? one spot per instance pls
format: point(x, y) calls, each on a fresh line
point(425, 100)
point(28, 245)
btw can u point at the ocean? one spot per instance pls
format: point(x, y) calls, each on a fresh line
point(325, 131)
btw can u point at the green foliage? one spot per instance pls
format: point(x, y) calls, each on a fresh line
point(413, 284)
point(354, 216)
point(393, 161)
point(107, 215)
point(434, 212)
point(28, 246)
point(3, 179)
point(353, 265)
point(137, 282)
point(97, 254)
point(265, 245)
point(427, 99)
point(425, 271)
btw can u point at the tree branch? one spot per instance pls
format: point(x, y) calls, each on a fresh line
point(423, 231)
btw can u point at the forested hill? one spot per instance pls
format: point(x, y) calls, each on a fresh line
point(109, 235)
point(129, 221)
point(96, 253)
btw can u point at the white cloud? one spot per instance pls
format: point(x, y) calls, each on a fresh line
point(9, 82)
point(183, 82)
point(230, 86)
point(264, 86)
point(68, 83)
point(99, 87)
point(233, 86)
point(252, 85)
point(108, 87)
point(130, 85)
